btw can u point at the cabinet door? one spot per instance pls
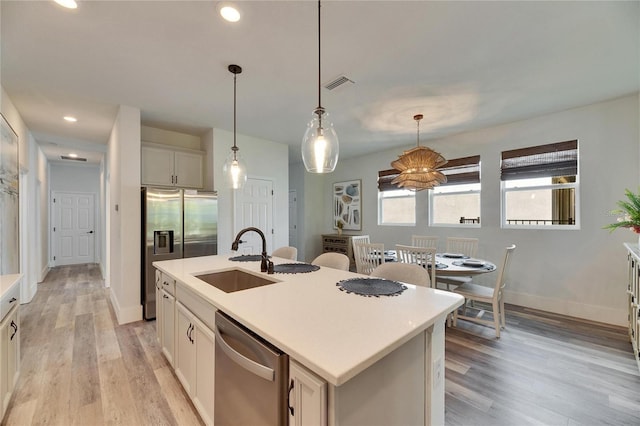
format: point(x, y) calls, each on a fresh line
point(307, 397)
point(13, 354)
point(168, 326)
point(157, 166)
point(185, 366)
point(159, 316)
point(188, 170)
point(205, 363)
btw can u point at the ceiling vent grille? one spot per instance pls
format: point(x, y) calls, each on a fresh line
point(338, 82)
point(64, 157)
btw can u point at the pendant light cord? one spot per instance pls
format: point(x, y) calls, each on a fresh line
point(319, 56)
point(235, 148)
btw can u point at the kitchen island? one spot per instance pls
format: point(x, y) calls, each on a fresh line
point(382, 358)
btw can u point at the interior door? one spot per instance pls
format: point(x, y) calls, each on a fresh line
point(293, 218)
point(254, 207)
point(73, 229)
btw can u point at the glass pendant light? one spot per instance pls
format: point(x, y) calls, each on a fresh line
point(320, 146)
point(234, 170)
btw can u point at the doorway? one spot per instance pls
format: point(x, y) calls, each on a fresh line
point(73, 233)
point(254, 207)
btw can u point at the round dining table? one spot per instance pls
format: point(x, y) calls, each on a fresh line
point(457, 264)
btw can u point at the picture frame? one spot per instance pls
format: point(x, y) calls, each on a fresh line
point(347, 205)
point(9, 199)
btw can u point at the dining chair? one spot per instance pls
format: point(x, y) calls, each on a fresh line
point(368, 256)
point(466, 246)
point(422, 256)
point(424, 241)
point(404, 272)
point(359, 239)
point(493, 295)
point(286, 252)
point(332, 260)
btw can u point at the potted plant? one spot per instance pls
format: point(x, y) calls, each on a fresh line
point(339, 225)
point(630, 209)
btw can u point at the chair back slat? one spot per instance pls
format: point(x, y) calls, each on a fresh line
point(368, 256)
point(424, 241)
point(466, 246)
point(422, 256)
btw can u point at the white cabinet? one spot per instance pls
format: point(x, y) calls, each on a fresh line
point(195, 361)
point(307, 397)
point(9, 346)
point(165, 314)
point(166, 167)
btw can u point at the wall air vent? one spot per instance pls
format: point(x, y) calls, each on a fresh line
point(64, 157)
point(338, 82)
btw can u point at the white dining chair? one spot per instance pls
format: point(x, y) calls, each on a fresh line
point(425, 257)
point(355, 239)
point(403, 272)
point(466, 246)
point(424, 241)
point(368, 256)
point(332, 260)
point(493, 295)
point(286, 252)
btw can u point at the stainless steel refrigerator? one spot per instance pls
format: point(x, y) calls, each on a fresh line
point(176, 223)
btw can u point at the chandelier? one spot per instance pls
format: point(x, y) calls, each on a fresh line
point(418, 166)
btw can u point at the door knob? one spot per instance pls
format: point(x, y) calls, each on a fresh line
point(90, 232)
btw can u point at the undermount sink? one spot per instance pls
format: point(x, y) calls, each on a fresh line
point(234, 280)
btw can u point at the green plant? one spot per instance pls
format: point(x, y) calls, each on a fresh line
point(630, 208)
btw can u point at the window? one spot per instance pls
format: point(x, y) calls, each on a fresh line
point(540, 186)
point(457, 202)
point(395, 206)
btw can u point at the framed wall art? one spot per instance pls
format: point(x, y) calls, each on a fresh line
point(9, 218)
point(347, 205)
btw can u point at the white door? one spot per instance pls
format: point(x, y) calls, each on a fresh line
point(293, 219)
point(254, 207)
point(73, 230)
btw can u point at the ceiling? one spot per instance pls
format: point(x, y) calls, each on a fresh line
point(464, 65)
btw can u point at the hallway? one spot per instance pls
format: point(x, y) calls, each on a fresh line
point(80, 368)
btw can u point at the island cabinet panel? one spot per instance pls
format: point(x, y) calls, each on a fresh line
point(633, 294)
point(307, 397)
point(159, 307)
point(9, 341)
point(195, 359)
point(168, 303)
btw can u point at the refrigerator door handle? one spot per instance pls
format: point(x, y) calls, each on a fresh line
point(244, 362)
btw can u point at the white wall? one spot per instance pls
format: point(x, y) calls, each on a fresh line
point(579, 273)
point(123, 215)
point(264, 160)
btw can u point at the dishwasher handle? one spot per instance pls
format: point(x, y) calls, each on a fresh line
point(244, 362)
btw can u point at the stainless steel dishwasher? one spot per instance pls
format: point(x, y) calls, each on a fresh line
point(250, 377)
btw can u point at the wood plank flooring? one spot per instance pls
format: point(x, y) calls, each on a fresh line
point(80, 368)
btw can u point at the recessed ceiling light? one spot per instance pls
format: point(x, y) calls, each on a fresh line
point(229, 12)
point(73, 155)
point(70, 118)
point(69, 4)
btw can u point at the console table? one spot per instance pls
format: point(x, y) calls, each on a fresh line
point(339, 244)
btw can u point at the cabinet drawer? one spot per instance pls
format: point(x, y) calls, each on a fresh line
point(202, 309)
point(10, 299)
point(168, 284)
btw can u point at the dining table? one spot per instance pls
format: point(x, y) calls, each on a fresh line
point(452, 264)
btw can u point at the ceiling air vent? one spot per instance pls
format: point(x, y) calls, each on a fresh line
point(64, 157)
point(338, 82)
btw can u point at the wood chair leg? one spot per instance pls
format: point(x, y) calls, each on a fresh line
point(496, 317)
point(504, 323)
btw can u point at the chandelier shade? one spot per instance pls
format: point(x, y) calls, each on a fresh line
point(418, 167)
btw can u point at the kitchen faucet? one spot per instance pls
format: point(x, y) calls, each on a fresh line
point(265, 265)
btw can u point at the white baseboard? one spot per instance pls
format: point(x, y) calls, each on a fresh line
point(44, 273)
point(573, 309)
point(125, 316)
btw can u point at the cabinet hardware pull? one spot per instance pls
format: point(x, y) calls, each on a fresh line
point(289, 397)
point(13, 299)
point(15, 328)
point(165, 296)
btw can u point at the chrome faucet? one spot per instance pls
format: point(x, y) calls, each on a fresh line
point(265, 265)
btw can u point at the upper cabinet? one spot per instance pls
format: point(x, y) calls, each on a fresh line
point(168, 167)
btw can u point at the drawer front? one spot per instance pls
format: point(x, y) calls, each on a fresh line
point(336, 241)
point(199, 307)
point(10, 299)
point(169, 284)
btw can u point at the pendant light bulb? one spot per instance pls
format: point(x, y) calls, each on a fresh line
point(234, 169)
point(320, 147)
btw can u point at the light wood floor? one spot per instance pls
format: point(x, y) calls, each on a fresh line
point(79, 367)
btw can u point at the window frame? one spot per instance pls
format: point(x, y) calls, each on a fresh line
point(546, 148)
point(381, 197)
point(459, 171)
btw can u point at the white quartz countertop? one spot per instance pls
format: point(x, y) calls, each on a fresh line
point(333, 333)
point(7, 282)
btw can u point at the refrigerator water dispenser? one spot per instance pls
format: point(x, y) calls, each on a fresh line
point(162, 242)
